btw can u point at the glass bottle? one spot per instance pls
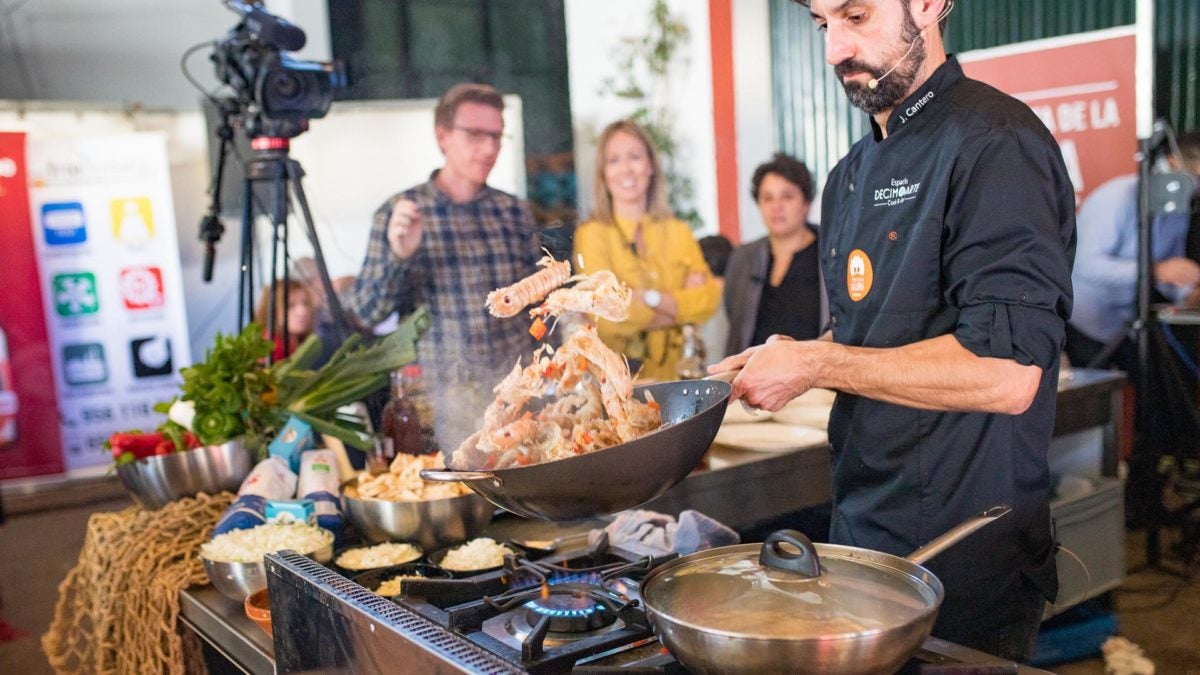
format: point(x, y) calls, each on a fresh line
point(691, 364)
point(414, 390)
point(400, 420)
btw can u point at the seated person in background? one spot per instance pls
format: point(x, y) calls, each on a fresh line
point(446, 244)
point(633, 233)
point(715, 332)
point(773, 285)
point(297, 312)
point(1105, 274)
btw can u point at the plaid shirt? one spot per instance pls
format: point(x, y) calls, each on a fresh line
point(467, 251)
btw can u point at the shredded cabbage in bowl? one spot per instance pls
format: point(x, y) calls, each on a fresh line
point(250, 545)
point(478, 554)
point(380, 555)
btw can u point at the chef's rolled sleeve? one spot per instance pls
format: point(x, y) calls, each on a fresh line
point(1007, 260)
point(1028, 335)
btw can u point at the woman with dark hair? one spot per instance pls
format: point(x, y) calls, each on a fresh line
point(633, 233)
point(773, 285)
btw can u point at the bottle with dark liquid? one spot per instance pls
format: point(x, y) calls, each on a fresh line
point(401, 422)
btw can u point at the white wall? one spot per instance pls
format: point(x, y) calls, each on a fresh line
point(126, 51)
point(755, 108)
point(594, 30)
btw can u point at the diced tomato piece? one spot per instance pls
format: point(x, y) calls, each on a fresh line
point(538, 329)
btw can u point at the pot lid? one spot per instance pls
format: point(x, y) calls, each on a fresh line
point(782, 590)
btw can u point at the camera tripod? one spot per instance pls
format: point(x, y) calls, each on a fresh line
point(272, 167)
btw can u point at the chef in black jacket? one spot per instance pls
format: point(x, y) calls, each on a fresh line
point(947, 237)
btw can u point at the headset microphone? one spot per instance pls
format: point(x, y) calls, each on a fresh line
point(873, 83)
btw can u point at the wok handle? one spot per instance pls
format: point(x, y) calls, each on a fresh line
point(956, 534)
point(725, 376)
point(804, 562)
point(456, 476)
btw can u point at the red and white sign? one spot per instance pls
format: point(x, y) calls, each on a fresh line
point(1082, 88)
point(33, 445)
point(141, 287)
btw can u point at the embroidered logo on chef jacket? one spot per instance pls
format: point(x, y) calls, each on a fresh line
point(898, 191)
point(859, 275)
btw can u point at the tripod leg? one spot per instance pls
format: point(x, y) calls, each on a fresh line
point(340, 322)
point(279, 211)
point(246, 267)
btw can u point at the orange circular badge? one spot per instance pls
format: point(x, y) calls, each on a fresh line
point(859, 275)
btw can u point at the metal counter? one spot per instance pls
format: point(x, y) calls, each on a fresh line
point(737, 488)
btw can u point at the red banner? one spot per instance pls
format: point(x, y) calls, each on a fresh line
point(37, 447)
point(1082, 88)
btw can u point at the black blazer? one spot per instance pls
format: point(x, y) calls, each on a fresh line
point(744, 279)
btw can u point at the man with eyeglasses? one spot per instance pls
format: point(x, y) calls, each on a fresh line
point(446, 244)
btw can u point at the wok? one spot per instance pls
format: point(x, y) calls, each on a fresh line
point(618, 477)
point(829, 609)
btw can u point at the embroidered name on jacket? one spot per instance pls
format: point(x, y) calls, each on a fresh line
point(901, 190)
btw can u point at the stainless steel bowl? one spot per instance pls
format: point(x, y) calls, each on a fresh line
point(237, 580)
point(433, 524)
point(157, 481)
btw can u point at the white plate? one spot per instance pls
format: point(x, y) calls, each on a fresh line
point(768, 437)
point(816, 416)
point(735, 413)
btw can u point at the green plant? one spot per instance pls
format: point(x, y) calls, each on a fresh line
point(645, 66)
point(233, 393)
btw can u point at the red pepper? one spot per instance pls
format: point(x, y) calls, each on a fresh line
point(164, 447)
point(190, 441)
point(141, 445)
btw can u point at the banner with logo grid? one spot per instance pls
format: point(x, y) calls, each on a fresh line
point(108, 258)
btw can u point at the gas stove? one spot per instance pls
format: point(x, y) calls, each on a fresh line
point(577, 612)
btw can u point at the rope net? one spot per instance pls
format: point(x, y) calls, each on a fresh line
point(118, 608)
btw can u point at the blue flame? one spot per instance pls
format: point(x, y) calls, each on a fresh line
point(571, 613)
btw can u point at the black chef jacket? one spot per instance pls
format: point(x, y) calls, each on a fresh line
point(960, 222)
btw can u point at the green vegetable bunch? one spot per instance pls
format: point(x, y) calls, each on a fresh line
point(234, 394)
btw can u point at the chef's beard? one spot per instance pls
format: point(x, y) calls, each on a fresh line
point(891, 88)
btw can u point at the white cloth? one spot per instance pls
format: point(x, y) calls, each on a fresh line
point(652, 533)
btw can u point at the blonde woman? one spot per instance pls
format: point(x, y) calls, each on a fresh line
point(633, 232)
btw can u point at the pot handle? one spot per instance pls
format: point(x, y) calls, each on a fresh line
point(450, 476)
point(956, 534)
point(774, 556)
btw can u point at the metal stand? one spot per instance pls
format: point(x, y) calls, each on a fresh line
point(1145, 462)
point(272, 167)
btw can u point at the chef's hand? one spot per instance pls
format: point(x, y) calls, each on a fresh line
point(404, 229)
point(1182, 272)
point(773, 373)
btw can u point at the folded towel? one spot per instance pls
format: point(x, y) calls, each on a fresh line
point(655, 534)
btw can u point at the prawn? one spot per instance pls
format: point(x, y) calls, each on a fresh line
point(510, 300)
point(600, 293)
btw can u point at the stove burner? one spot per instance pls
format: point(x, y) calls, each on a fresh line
point(571, 608)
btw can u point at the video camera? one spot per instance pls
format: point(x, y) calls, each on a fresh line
point(275, 94)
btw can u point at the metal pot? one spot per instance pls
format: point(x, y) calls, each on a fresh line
point(615, 478)
point(817, 608)
point(432, 523)
point(157, 481)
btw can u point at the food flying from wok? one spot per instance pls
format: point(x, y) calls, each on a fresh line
point(567, 401)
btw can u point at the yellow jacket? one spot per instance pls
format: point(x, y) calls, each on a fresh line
point(671, 254)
